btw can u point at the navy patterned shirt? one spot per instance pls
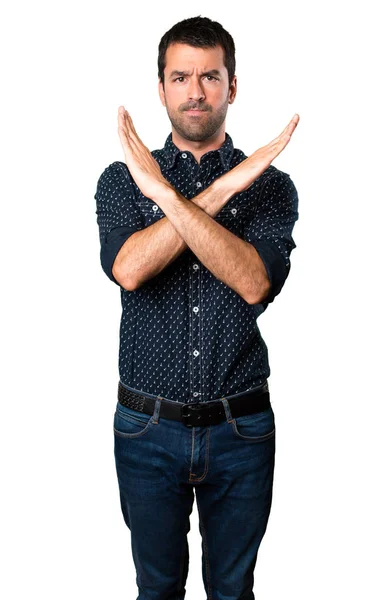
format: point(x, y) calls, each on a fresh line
point(184, 334)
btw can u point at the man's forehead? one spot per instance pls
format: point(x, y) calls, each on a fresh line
point(184, 57)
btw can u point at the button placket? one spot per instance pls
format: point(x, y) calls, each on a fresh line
point(195, 330)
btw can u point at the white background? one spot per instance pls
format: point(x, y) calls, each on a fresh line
point(66, 67)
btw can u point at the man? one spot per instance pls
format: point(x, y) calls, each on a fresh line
point(198, 237)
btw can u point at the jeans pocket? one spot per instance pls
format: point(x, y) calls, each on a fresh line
point(131, 423)
point(256, 427)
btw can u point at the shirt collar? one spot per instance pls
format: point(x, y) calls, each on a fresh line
point(225, 151)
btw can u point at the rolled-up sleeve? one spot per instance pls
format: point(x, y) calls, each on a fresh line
point(270, 229)
point(118, 214)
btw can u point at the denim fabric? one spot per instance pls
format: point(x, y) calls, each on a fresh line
point(230, 466)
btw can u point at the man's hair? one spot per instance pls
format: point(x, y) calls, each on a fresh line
point(200, 32)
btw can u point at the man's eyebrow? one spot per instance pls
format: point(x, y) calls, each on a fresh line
point(184, 73)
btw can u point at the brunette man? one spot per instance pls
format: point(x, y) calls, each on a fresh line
point(198, 237)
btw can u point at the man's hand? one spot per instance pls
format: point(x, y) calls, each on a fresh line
point(243, 175)
point(143, 167)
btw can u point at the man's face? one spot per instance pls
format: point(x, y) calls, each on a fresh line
point(196, 78)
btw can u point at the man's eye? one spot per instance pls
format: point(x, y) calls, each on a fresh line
point(210, 76)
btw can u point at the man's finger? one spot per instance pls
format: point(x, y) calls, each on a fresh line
point(281, 144)
point(131, 132)
point(291, 126)
point(122, 123)
point(131, 124)
point(124, 140)
point(123, 131)
point(287, 131)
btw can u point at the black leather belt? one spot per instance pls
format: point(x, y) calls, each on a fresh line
point(197, 414)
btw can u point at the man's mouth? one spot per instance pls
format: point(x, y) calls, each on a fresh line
point(193, 108)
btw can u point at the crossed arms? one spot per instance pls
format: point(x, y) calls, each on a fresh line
point(146, 252)
point(190, 224)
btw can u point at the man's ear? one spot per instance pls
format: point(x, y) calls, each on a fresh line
point(233, 90)
point(161, 92)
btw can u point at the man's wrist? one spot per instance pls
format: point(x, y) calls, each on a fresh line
point(224, 185)
point(211, 200)
point(215, 196)
point(166, 193)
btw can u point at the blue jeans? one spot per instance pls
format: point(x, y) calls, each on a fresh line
point(230, 465)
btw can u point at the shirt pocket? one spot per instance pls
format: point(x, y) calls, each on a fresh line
point(234, 217)
point(150, 211)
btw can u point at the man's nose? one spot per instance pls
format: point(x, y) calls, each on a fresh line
point(195, 90)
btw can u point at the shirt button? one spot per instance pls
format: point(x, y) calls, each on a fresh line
point(195, 309)
point(155, 207)
point(234, 211)
point(199, 184)
point(195, 266)
point(184, 155)
point(196, 353)
point(195, 394)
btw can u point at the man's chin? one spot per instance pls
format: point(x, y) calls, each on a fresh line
point(191, 136)
point(194, 134)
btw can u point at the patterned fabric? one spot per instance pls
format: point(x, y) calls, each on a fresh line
point(184, 334)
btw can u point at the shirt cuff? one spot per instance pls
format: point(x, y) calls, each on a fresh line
point(276, 268)
point(110, 247)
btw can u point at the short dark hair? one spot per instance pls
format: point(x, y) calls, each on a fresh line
point(200, 32)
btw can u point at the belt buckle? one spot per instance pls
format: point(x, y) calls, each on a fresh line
point(191, 411)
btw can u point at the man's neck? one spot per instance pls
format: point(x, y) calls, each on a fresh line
point(199, 148)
